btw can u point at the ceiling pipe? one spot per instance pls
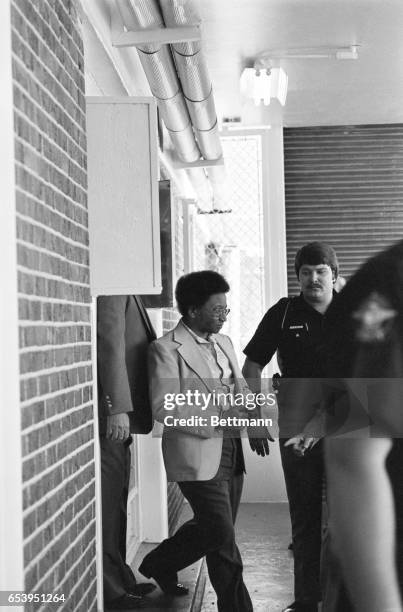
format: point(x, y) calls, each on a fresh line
point(194, 76)
point(159, 68)
point(185, 102)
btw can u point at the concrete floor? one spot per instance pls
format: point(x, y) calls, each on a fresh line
point(263, 536)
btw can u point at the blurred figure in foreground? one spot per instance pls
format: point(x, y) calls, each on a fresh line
point(365, 460)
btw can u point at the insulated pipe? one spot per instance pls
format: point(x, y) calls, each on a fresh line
point(202, 187)
point(159, 68)
point(195, 79)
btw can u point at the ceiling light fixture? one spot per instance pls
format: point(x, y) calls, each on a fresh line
point(264, 81)
point(263, 84)
point(256, 84)
point(280, 84)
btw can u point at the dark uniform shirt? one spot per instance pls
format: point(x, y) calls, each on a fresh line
point(297, 332)
point(294, 329)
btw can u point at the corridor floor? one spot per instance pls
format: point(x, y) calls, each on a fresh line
point(263, 536)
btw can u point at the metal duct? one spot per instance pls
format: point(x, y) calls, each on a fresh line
point(146, 16)
point(181, 13)
point(178, 114)
point(219, 185)
point(195, 79)
point(159, 68)
point(202, 187)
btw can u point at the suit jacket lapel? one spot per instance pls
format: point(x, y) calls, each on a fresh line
point(146, 320)
point(192, 354)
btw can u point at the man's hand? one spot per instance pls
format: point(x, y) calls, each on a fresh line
point(259, 438)
point(301, 443)
point(118, 426)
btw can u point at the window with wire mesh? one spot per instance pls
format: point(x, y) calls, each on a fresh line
point(231, 242)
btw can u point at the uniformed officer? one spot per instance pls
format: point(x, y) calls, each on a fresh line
point(295, 328)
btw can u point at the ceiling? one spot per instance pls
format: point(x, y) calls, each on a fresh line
point(321, 91)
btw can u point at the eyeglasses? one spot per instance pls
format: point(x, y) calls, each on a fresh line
point(219, 311)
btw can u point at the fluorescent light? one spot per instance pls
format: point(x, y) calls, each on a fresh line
point(255, 84)
point(347, 53)
point(261, 85)
point(279, 85)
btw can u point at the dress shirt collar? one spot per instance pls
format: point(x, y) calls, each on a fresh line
point(210, 338)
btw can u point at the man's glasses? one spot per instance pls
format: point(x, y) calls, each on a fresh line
point(219, 311)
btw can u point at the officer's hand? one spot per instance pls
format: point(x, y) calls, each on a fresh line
point(259, 438)
point(118, 426)
point(301, 443)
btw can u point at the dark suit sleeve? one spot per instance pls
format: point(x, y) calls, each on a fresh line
point(111, 354)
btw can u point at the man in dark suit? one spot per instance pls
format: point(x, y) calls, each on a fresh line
point(124, 332)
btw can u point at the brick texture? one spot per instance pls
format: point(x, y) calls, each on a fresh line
point(54, 302)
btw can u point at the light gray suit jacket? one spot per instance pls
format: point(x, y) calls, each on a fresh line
point(177, 364)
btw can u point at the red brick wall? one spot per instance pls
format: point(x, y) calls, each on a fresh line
point(54, 302)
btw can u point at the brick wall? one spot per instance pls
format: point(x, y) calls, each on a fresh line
point(54, 302)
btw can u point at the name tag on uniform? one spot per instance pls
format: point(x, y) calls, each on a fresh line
point(296, 327)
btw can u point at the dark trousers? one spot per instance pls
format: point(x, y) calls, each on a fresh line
point(304, 483)
point(210, 533)
point(115, 473)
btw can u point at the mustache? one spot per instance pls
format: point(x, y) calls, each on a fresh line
point(315, 285)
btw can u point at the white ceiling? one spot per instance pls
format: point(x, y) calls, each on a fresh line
point(321, 91)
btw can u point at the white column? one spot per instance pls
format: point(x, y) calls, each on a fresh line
point(11, 535)
point(188, 234)
point(274, 208)
point(153, 489)
point(265, 481)
point(152, 477)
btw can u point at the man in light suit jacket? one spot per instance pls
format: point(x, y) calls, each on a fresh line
point(124, 332)
point(194, 359)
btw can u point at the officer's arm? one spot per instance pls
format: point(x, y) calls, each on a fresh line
point(259, 437)
point(252, 372)
point(309, 398)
